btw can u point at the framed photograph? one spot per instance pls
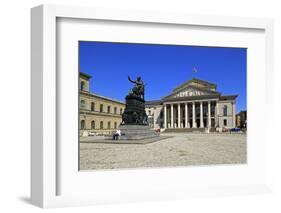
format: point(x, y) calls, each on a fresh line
point(131, 106)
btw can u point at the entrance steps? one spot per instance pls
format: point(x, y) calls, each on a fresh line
point(184, 130)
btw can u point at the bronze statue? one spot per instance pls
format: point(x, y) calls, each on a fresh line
point(138, 89)
point(134, 112)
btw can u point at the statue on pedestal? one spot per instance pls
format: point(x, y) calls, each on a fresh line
point(134, 112)
point(134, 124)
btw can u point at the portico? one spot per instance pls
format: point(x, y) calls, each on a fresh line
point(194, 105)
point(190, 114)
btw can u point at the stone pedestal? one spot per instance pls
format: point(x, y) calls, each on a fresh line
point(136, 132)
point(134, 125)
point(134, 113)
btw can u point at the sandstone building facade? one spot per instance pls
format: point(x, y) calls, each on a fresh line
point(98, 114)
point(193, 106)
point(241, 119)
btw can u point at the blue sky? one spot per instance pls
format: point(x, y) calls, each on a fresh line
point(162, 68)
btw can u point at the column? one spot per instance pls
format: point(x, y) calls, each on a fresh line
point(233, 115)
point(179, 115)
point(186, 116)
point(217, 114)
point(168, 117)
point(172, 116)
point(209, 114)
point(193, 116)
point(201, 115)
point(165, 116)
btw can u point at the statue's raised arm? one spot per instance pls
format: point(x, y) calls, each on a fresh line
point(131, 80)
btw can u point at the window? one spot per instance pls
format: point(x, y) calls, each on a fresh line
point(108, 125)
point(225, 122)
point(101, 108)
point(121, 111)
point(108, 109)
point(101, 125)
point(82, 85)
point(82, 103)
point(93, 125)
point(149, 112)
point(92, 106)
point(82, 124)
point(115, 110)
point(224, 110)
point(115, 125)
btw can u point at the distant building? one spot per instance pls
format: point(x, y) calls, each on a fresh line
point(194, 105)
point(241, 119)
point(154, 112)
point(98, 114)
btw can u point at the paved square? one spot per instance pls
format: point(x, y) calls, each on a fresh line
point(179, 150)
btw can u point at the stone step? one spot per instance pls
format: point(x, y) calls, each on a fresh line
point(185, 130)
point(136, 132)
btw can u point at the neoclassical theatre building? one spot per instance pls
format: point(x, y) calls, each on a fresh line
point(193, 106)
point(98, 114)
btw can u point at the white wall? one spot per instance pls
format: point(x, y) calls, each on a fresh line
point(15, 99)
point(155, 112)
point(229, 116)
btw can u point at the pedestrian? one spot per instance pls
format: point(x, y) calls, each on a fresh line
point(117, 134)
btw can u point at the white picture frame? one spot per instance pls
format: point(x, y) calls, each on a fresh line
point(45, 168)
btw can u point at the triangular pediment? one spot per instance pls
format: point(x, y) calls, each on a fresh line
point(196, 83)
point(190, 91)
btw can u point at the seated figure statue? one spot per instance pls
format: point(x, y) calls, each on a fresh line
point(138, 89)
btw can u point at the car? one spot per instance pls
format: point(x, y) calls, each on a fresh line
point(92, 133)
point(235, 129)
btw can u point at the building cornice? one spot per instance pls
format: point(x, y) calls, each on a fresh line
point(189, 98)
point(153, 103)
point(85, 75)
point(215, 97)
point(228, 97)
point(89, 112)
point(101, 97)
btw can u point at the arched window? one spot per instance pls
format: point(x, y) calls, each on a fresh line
point(121, 111)
point(82, 85)
point(224, 110)
point(82, 103)
point(225, 122)
point(82, 124)
point(115, 125)
point(108, 125)
point(108, 109)
point(101, 125)
point(92, 106)
point(93, 125)
point(115, 110)
point(101, 108)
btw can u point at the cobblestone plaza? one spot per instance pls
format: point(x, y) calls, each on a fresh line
point(179, 150)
